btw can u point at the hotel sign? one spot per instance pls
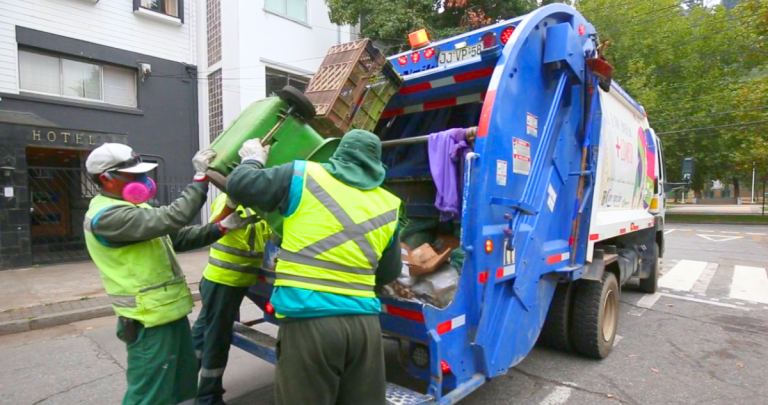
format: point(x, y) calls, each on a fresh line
point(71, 138)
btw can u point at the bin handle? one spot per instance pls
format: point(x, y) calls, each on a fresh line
point(465, 195)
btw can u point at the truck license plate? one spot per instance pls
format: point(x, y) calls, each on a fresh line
point(459, 54)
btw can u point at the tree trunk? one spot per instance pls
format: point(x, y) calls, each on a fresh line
point(736, 190)
point(698, 194)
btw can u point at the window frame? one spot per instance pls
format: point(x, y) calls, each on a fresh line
point(61, 95)
point(288, 76)
point(287, 16)
point(179, 3)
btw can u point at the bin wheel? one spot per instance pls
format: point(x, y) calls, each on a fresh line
point(651, 284)
point(604, 84)
point(295, 98)
point(555, 333)
point(595, 316)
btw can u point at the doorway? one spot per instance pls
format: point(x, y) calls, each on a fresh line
point(59, 193)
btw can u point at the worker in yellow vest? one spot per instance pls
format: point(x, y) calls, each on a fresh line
point(134, 246)
point(233, 266)
point(340, 241)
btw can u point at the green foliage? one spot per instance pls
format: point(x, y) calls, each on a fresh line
point(389, 22)
point(693, 66)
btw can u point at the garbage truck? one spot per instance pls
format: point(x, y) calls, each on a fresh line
point(561, 191)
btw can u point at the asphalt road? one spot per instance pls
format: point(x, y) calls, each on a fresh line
point(702, 340)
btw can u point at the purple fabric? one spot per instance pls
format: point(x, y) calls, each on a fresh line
point(445, 149)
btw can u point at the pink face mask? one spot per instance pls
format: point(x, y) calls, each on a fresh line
point(140, 190)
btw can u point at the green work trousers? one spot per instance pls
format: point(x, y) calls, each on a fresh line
point(161, 365)
point(213, 335)
point(335, 360)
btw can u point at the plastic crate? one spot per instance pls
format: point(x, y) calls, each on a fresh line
point(380, 89)
point(341, 84)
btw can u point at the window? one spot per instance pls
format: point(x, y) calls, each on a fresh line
point(215, 105)
point(276, 80)
point(71, 78)
point(214, 31)
point(296, 9)
point(167, 7)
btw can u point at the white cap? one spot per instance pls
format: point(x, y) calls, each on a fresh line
point(116, 156)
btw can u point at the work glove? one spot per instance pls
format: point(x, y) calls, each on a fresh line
point(234, 222)
point(253, 151)
point(200, 162)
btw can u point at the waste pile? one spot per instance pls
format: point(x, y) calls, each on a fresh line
point(431, 269)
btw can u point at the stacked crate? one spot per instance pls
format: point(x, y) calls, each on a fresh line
point(351, 88)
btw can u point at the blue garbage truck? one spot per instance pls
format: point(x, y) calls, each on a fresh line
point(562, 201)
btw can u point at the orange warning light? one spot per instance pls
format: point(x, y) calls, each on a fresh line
point(418, 38)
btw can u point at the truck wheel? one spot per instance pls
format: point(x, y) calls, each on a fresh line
point(555, 333)
point(595, 316)
point(651, 284)
point(295, 98)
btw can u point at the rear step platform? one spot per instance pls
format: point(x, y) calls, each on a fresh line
point(255, 342)
point(397, 395)
point(263, 346)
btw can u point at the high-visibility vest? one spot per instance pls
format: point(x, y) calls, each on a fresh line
point(143, 280)
point(334, 239)
point(236, 258)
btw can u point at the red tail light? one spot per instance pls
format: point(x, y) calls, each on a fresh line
point(489, 40)
point(506, 34)
point(429, 53)
point(403, 60)
point(581, 30)
point(445, 367)
point(269, 308)
point(415, 57)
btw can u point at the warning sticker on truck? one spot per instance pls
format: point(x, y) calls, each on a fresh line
point(501, 172)
point(532, 125)
point(521, 156)
point(552, 198)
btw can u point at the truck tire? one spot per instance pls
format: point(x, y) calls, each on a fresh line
point(295, 98)
point(555, 333)
point(650, 284)
point(595, 316)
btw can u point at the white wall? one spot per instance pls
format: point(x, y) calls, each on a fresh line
point(106, 22)
point(252, 39)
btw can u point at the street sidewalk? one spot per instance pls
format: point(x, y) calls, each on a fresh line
point(41, 297)
point(699, 209)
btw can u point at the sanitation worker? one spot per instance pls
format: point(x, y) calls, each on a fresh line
point(340, 240)
point(134, 246)
point(233, 266)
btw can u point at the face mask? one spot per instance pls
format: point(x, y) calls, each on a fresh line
point(140, 190)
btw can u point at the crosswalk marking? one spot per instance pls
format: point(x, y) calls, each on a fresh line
point(683, 276)
point(749, 284)
point(701, 285)
point(718, 304)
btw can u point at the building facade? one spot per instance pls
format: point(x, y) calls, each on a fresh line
point(75, 74)
point(263, 46)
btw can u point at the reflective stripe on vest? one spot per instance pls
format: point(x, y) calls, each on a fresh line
point(232, 266)
point(238, 252)
point(143, 279)
point(337, 276)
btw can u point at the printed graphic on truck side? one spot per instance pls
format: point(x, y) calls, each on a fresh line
point(627, 162)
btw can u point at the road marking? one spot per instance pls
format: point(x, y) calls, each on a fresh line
point(617, 339)
point(719, 238)
point(644, 304)
point(755, 233)
point(667, 232)
point(730, 232)
point(718, 304)
point(559, 396)
point(701, 285)
point(683, 276)
point(749, 284)
point(701, 230)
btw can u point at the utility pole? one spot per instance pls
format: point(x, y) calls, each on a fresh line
point(753, 182)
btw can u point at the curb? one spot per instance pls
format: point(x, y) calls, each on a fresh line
point(62, 318)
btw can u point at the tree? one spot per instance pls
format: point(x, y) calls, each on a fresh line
point(693, 68)
point(389, 22)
